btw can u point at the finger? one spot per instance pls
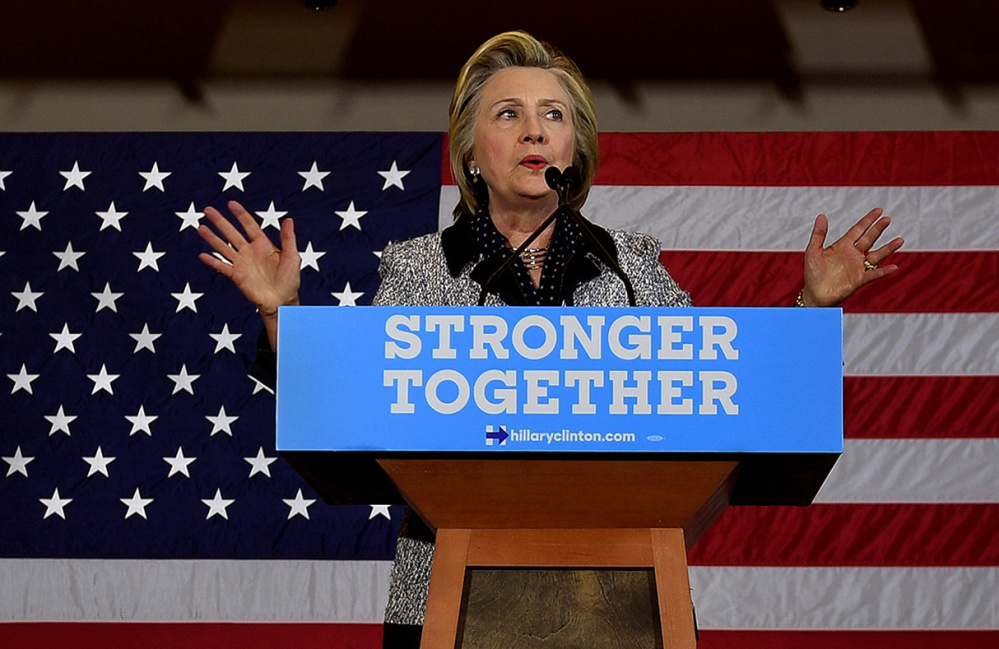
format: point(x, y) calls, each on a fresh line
point(217, 244)
point(289, 242)
point(217, 265)
point(819, 232)
point(860, 227)
point(873, 233)
point(878, 273)
point(885, 251)
point(250, 225)
point(214, 216)
point(225, 227)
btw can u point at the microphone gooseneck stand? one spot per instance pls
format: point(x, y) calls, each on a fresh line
point(515, 254)
point(563, 183)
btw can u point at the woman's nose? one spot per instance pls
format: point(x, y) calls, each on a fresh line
point(533, 131)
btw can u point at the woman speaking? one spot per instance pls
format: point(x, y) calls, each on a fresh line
point(519, 107)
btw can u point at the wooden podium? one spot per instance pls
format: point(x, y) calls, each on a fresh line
point(594, 513)
point(607, 514)
point(497, 497)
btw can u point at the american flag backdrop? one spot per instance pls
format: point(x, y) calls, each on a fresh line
point(141, 501)
point(135, 448)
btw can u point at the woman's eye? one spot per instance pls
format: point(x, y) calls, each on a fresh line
point(555, 114)
point(507, 113)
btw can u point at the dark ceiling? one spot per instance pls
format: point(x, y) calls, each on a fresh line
point(622, 41)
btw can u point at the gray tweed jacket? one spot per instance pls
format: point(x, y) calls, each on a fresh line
point(445, 269)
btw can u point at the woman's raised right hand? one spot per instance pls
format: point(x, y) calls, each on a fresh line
point(268, 276)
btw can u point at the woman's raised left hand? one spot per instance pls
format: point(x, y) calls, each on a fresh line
point(835, 273)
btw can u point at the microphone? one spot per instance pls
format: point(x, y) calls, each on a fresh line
point(572, 177)
point(553, 176)
point(563, 182)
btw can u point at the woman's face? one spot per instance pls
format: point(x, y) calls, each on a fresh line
point(524, 124)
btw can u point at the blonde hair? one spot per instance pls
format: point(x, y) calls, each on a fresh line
point(518, 49)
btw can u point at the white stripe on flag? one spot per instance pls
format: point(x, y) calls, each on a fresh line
point(914, 471)
point(726, 597)
point(780, 218)
point(206, 590)
point(449, 199)
point(841, 598)
point(891, 344)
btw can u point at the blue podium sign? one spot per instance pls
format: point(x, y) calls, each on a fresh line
point(516, 379)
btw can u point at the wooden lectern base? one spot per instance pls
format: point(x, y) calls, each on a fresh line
point(663, 550)
point(571, 513)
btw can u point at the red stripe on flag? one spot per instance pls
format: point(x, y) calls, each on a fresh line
point(927, 282)
point(447, 178)
point(201, 635)
point(793, 159)
point(848, 639)
point(867, 535)
point(920, 407)
point(368, 636)
point(800, 159)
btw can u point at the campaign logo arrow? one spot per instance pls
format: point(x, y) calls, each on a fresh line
point(496, 436)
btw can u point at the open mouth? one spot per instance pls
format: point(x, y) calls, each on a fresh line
point(535, 162)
